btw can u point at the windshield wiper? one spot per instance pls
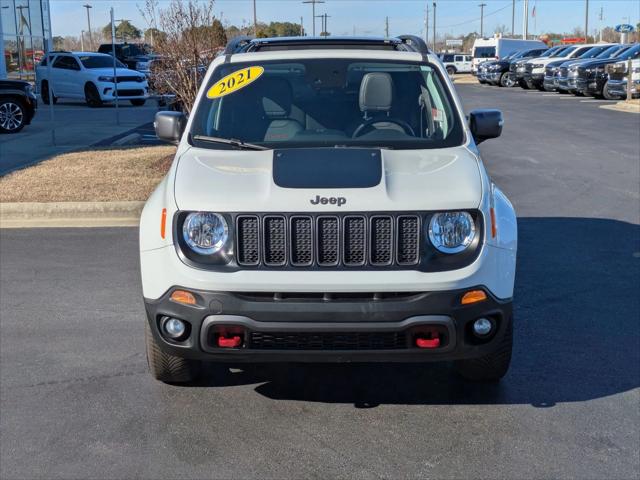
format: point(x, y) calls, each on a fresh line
point(229, 141)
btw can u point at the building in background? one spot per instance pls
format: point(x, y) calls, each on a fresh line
point(24, 34)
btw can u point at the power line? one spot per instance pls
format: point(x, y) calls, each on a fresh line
point(474, 20)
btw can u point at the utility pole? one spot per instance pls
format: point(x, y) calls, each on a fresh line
point(601, 19)
point(434, 26)
point(482, 5)
point(313, 12)
point(255, 19)
point(88, 7)
point(525, 20)
point(386, 27)
point(82, 40)
point(513, 18)
point(586, 21)
point(426, 25)
point(301, 27)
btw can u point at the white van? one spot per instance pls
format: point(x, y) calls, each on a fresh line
point(495, 48)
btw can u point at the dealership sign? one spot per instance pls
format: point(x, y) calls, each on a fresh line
point(454, 43)
point(624, 28)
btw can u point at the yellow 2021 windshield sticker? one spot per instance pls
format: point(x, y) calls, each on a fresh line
point(235, 81)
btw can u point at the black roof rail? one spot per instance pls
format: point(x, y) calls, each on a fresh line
point(236, 44)
point(416, 42)
point(245, 44)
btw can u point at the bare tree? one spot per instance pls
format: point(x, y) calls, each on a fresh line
point(192, 38)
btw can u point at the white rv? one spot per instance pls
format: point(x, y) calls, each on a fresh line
point(495, 48)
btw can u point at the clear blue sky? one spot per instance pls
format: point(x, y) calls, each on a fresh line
point(368, 16)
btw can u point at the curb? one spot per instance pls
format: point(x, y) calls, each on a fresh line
point(70, 214)
point(624, 106)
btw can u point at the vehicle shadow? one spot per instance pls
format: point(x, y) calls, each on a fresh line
point(577, 332)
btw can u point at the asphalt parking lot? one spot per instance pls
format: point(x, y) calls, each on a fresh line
point(77, 401)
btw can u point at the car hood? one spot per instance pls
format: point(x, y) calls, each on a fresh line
point(243, 181)
point(119, 72)
point(599, 62)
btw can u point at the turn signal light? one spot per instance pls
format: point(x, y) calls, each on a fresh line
point(186, 298)
point(163, 223)
point(473, 296)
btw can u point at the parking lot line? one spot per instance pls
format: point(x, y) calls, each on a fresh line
point(595, 100)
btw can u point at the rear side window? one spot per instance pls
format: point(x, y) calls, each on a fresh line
point(484, 52)
point(66, 63)
point(447, 58)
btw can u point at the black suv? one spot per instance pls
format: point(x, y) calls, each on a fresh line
point(128, 53)
point(17, 105)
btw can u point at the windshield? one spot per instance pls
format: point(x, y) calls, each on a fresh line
point(484, 52)
point(549, 52)
point(328, 102)
point(610, 51)
point(98, 61)
point(631, 53)
point(593, 52)
point(563, 52)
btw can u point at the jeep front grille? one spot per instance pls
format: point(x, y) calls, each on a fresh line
point(348, 240)
point(328, 341)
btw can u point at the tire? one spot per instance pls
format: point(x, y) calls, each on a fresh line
point(541, 88)
point(44, 93)
point(492, 367)
point(524, 85)
point(606, 94)
point(12, 115)
point(451, 70)
point(506, 80)
point(166, 367)
point(91, 96)
point(138, 102)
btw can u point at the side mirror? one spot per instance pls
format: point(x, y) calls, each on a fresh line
point(485, 124)
point(169, 126)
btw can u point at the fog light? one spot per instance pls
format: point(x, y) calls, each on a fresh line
point(174, 328)
point(482, 327)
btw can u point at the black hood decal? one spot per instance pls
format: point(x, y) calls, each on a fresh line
point(327, 168)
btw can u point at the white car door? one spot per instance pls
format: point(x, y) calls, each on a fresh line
point(63, 70)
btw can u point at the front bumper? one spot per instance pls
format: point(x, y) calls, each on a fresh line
point(536, 79)
point(549, 83)
point(303, 327)
point(126, 91)
point(618, 88)
point(494, 77)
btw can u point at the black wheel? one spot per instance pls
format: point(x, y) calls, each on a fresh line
point(91, 96)
point(169, 368)
point(541, 87)
point(12, 115)
point(138, 102)
point(506, 80)
point(523, 84)
point(606, 94)
point(492, 367)
point(451, 70)
point(44, 93)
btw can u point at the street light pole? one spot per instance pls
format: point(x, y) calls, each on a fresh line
point(482, 5)
point(434, 26)
point(82, 40)
point(255, 19)
point(525, 20)
point(586, 21)
point(88, 7)
point(513, 18)
point(313, 11)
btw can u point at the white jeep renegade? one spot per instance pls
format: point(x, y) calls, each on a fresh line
point(327, 202)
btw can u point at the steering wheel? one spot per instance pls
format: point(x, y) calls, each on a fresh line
point(364, 127)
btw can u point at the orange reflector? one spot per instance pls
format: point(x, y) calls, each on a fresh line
point(180, 296)
point(473, 296)
point(494, 228)
point(163, 223)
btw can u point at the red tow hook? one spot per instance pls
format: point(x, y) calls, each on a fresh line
point(427, 342)
point(229, 342)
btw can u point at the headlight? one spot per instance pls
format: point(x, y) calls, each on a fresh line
point(205, 232)
point(105, 79)
point(451, 232)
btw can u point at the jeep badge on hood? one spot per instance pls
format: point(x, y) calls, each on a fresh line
point(328, 200)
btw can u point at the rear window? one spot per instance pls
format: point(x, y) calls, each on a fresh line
point(484, 52)
point(447, 58)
